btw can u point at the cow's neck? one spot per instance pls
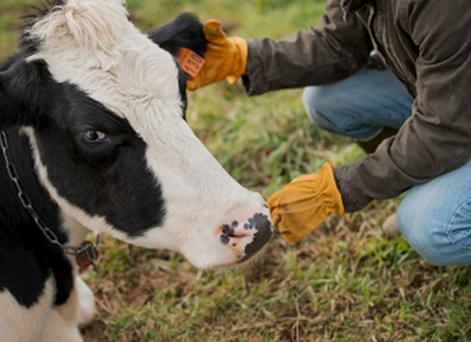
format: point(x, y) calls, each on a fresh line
point(14, 219)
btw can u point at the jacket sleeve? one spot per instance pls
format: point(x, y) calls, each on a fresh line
point(311, 57)
point(437, 137)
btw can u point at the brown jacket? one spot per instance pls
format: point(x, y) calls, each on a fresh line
point(426, 43)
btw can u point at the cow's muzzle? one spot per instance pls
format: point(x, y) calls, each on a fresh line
point(247, 238)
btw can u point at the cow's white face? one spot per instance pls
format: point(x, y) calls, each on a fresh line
point(114, 149)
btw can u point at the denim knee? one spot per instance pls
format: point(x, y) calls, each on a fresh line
point(333, 113)
point(319, 107)
point(440, 237)
point(419, 233)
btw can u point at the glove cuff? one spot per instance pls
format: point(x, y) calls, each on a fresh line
point(328, 171)
point(240, 59)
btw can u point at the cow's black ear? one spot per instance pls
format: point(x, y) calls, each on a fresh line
point(185, 31)
point(22, 93)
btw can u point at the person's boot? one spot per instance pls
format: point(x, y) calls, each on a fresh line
point(370, 145)
point(390, 226)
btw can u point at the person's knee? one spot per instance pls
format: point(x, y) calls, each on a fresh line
point(440, 238)
point(320, 106)
point(420, 235)
point(334, 113)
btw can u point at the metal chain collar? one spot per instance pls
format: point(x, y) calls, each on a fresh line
point(84, 250)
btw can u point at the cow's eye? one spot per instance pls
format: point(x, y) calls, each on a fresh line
point(94, 137)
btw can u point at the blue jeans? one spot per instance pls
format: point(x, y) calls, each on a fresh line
point(435, 218)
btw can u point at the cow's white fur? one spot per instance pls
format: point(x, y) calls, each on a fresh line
point(17, 323)
point(43, 321)
point(93, 45)
point(59, 329)
point(86, 303)
point(63, 322)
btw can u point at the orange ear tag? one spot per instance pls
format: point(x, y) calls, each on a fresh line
point(190, 62)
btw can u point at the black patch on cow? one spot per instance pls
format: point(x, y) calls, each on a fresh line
point(262, 225)
point(26, 90)
point(27, 258)
point(111, 181)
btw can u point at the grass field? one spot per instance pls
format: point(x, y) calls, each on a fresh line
point(345, 282)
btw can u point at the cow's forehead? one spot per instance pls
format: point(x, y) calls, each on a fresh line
point(94, 46)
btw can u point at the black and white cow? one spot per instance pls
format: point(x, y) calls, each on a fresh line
point(93, 115)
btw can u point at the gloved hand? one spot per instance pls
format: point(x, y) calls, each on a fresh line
point(305, 203)
point(226, 57)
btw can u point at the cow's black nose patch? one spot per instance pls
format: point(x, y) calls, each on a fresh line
point(263, 227)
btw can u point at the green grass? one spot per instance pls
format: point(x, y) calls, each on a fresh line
point(345, 282)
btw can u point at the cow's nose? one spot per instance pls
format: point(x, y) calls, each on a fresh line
point(248, 237)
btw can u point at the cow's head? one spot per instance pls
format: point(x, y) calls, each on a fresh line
point(104, 108)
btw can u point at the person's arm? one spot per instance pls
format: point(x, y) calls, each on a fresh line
point(310, 57)
point(437, 138)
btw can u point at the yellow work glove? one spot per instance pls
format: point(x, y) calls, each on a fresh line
point(305, 203)
point(225, 57)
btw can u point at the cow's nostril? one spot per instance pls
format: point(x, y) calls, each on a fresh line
point(225, 239)
point(227, 230)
